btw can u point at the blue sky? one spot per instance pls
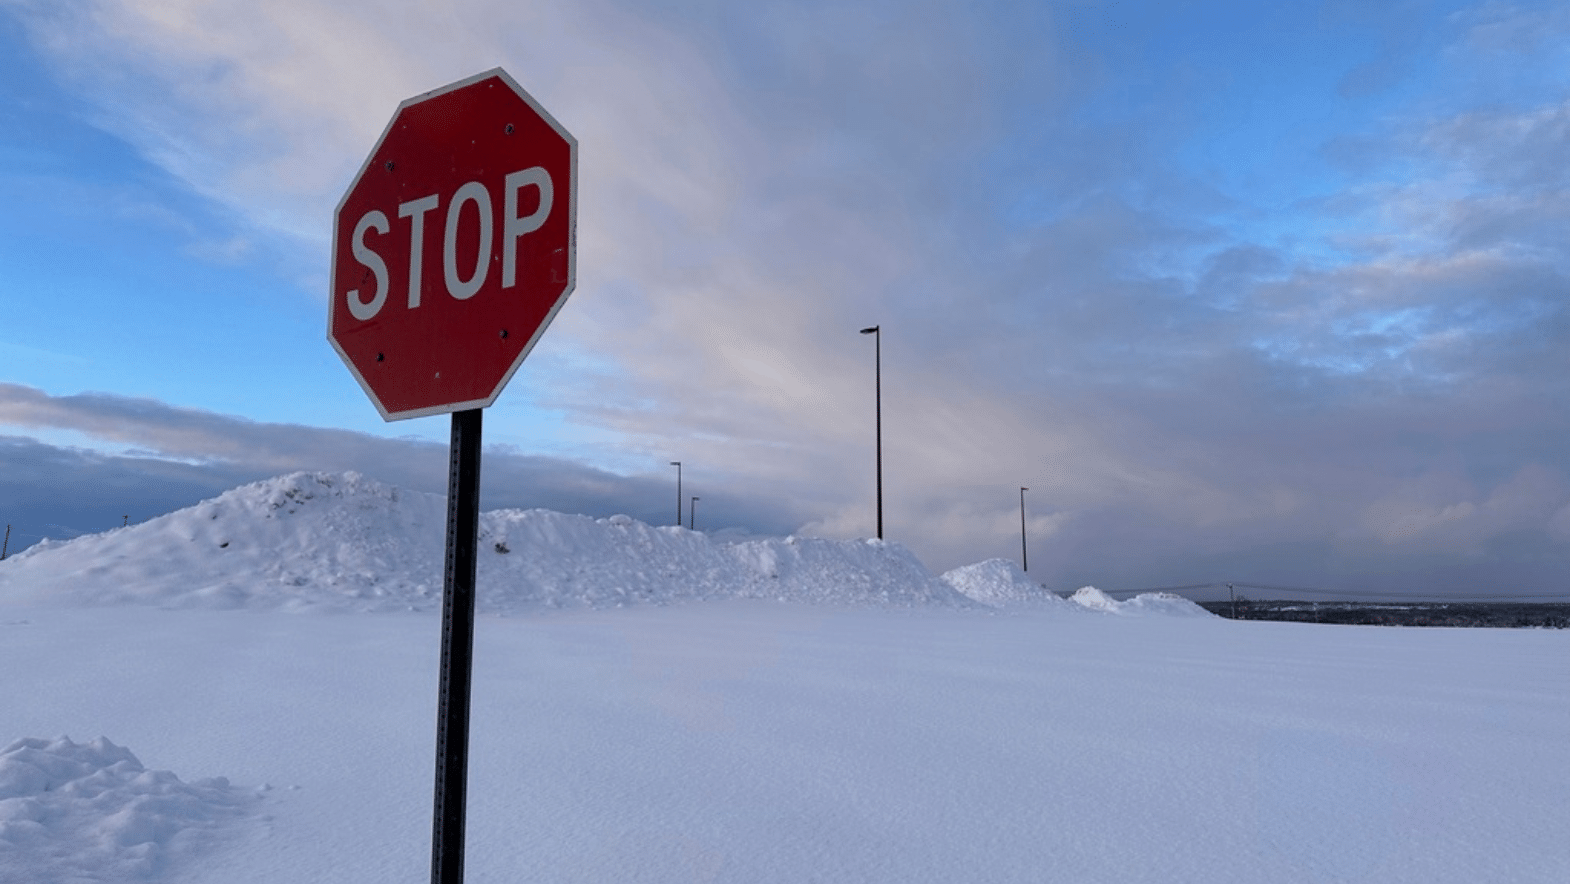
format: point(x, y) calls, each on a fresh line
point(1241, 291)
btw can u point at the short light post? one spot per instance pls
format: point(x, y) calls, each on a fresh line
point(677, 465)
point(877, 374)
point(1024, 553)
point(692, 508)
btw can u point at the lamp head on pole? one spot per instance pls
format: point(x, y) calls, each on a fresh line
point(870, 331)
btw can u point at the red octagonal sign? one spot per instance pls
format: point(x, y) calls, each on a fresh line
point(454, 247)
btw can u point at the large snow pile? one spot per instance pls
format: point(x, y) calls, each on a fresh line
point(90, 811)
point(1000, 583)
point(345, 542)
point(1144, 603)
point(1164, 603)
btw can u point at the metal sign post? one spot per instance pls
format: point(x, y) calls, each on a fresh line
point(452, 705)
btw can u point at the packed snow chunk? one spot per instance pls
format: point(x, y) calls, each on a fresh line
point(1164, 603)
point(1094, 599)
point(999, 583)
point(92, 812)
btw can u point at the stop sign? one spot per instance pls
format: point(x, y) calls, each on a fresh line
point(453, 247)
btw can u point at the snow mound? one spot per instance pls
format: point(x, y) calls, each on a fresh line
point(295, 541)
point(343, 542)
point(540, 558)
point(91, 811)
point(1094, 599)
point(1162, 603)
point(999, 583)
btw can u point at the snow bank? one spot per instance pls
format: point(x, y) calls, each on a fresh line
point(1094, 599)
point(321, 541)
point(343, 542)
point(999, 583)
point(302, 540)
point(1164, 603)
point(90, 811)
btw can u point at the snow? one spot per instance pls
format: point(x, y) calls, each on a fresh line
point(90, 811)
point(1162, 603)
point(342, 542)
point(883, 725)
point(999, 583)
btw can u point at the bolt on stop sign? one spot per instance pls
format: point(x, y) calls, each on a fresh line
point(454, 247)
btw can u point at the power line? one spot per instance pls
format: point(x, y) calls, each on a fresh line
point(1172, 589)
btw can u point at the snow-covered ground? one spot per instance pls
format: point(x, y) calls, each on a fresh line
point(249, 689)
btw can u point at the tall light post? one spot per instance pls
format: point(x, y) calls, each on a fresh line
point(677, 465)
point(1024, 553)
point(877, 337)
point(692, 508)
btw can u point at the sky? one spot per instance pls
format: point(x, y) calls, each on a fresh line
point(1271, 293)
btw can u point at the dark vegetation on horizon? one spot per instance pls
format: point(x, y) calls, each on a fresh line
point(1491, 614)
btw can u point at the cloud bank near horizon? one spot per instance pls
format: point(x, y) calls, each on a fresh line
point(142, 458)
point(147, 458)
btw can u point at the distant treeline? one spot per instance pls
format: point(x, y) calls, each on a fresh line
point(1494, 614)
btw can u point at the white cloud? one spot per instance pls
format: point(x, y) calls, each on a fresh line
point(1442, 510)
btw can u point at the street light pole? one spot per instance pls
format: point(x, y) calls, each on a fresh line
point(677, 465)
point(692, 508)
point(877, 336)
point(1024, 554)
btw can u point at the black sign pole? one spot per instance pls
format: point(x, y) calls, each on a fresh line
point(452, 712)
